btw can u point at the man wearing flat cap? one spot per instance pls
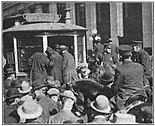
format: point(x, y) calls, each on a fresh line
point(142, 57)
point(130, 80)
point(68, 66)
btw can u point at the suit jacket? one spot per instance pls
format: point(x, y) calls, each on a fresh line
point(68, 67)
point(39, 63)
point(49, 107)
point(100, 120)
point(62, 116)
point(129, 82)
point(143, 58)
point(99, 49)
point(55, 70)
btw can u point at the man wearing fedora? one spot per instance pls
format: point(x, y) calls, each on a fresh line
point(107, 80)
point(68, 100)
point(49, 106)
point(101, 110)
point(68, 66)
point(25, 90)
point(30, 113)
point(130, 80)
point(10, 105)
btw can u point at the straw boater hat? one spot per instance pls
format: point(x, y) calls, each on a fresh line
point(101, 104)
point(53, 91)
point(68, 94)
point(29, 110)
point(25, 87)
point(63, 47)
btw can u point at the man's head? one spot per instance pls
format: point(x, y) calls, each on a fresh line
point(125, 51)
point(39, 87)
point(136, 45)
point(12, 96)
point(97, 38)
point(68, 99)
point(53, 94)
point(107, 48)
point(49, 51)
point(63, 48)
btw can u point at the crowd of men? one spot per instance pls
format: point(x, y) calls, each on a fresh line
point(114, 87)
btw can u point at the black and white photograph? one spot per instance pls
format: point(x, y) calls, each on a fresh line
point(77, 62)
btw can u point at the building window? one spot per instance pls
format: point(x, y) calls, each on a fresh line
point(80, 14)
point(132, 20)
point(103, 19)
point(61, 10)
point(45, 7)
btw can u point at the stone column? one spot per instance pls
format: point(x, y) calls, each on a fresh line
point(72, 7)
point(90, 9)
point(147, 24)
point(116, 21)
point(38, 8)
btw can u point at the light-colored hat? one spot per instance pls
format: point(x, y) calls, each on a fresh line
point(83, 65)
point(25, 87)
point(101, 104)
point(63, 47)
point(29, 110)
point(53, 91)
point(122, 118)
point(68, 94)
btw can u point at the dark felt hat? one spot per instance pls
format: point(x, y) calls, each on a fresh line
point(12, 93)
point(49, 50)
point(136, 42)
point(10, 71)
point(125, 50)
point(37, 84)
point(106, 78)
point(15, 83)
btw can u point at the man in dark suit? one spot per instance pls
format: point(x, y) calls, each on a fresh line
point(39, 63)
point(68, 66)
point(98, 49)
point(55, 65)
point(142, 57)
point(130, 80)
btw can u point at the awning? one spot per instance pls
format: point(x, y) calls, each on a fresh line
point(45, 27)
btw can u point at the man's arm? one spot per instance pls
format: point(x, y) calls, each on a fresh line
point(117, 81)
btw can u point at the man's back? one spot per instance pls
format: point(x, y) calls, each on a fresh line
point(132, 82)
point(62, 116)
